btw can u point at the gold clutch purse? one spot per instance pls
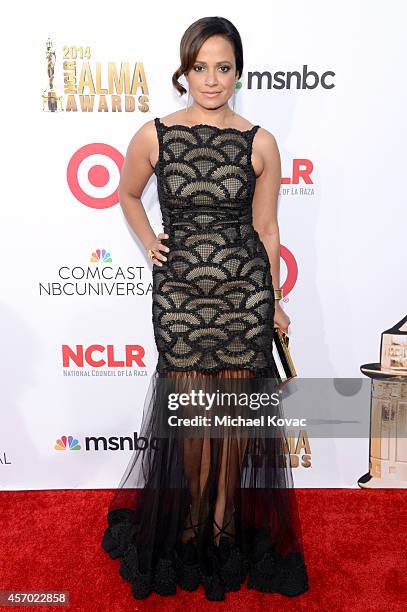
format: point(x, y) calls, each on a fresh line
point(283, 365)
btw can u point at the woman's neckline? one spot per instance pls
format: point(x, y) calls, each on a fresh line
point(199, 125)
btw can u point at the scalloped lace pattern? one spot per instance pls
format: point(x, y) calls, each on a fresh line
point(213, 301)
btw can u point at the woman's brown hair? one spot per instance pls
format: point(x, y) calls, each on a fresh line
point(194, 37)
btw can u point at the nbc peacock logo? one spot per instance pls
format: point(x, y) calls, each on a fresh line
point(101, 256)
point(69, 443)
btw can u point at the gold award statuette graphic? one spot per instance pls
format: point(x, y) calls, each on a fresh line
point(388, 412)
point(51, 99)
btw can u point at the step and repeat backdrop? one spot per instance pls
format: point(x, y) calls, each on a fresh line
point(77, 340)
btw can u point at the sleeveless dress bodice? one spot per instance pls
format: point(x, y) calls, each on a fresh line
point(213, 299)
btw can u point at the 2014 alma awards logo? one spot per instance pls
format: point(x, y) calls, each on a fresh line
point(93, 86)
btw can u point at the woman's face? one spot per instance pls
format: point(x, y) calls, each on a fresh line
point(212, 77)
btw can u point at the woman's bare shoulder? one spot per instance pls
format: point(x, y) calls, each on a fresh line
point(265, 142)
point(147, 129)
point(144, 136)
point(266, 137)
point(265, 151)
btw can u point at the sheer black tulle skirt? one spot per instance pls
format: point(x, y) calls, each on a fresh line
point(210, 509)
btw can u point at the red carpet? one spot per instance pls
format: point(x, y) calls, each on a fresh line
point(355, 548)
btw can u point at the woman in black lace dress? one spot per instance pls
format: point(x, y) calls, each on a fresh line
point(208, 509)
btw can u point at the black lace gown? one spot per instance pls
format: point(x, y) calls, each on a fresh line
point(208, 509)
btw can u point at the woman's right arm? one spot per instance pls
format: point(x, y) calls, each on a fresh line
point(136, 171)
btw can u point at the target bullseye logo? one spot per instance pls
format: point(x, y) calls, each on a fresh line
point(93, 175)
point(292, 269)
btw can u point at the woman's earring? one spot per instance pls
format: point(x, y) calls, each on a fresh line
point(237, 85)
point(187, 105)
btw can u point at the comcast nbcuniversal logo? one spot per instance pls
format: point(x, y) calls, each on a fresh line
point(67, 443)
point(97, 277)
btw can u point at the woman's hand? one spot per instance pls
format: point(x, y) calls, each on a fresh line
point(157, 247)
point(281, 319)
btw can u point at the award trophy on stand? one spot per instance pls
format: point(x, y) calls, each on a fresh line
point(51, 99)
point(388, 412)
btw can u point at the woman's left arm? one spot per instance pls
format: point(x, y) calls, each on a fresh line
point(267, 165)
